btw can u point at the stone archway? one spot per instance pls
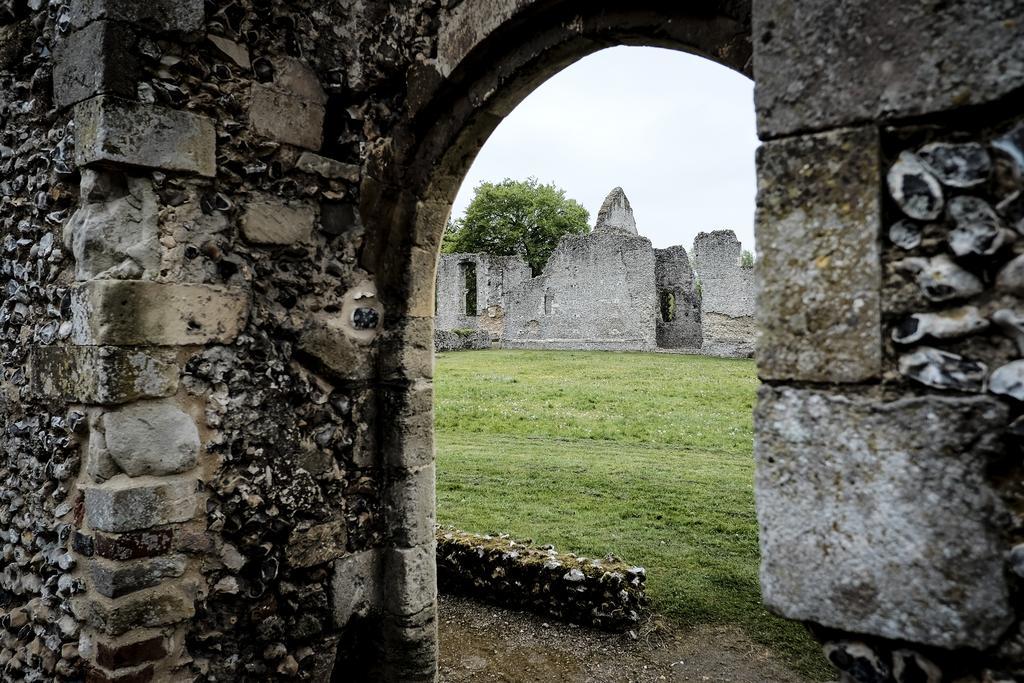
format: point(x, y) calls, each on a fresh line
point(492, 55)
point(823, 260)
point(217, 293)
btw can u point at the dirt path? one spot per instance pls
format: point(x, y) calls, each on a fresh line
point(484, 643)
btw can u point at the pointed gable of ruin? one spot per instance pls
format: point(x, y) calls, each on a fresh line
point(616, 214)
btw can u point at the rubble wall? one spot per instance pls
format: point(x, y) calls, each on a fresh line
point(727, 295)
point(495, 276)
point(682, 327)
point(605, 593)
point(596, 292)
point(461, 340)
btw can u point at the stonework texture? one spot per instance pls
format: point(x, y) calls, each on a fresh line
point(898, 61)
point(494, 278)
point(220, 225)
point(819, 266)
point(596, 292)
point(727, 295)
point(841, 481)
point(679, 300)
point(605, 593)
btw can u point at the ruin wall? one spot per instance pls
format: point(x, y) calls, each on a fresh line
point(461, 340)
point(727, 295)
point(675, 277)
point(193, 485)
point(495, 276)
point(596, 292)
point(604, 593)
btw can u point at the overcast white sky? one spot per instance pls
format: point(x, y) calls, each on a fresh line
point(674, 130)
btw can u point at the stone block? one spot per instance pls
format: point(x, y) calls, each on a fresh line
point(296, 78)
point(130, 651)
point(317, 545)
point(115, 235)
point(329, 340)
point(134, 312)
point(142, 674)
point(99, 59)
point(819, 265)
point(151, 607)
point(421, 282)
point(407, 349)
point(410, 647)
point(110, 130)
point(284, 117)
point(411, 507)
point(466, 24)
point(151, 438)
point(127, 504)
point(114, 579)
point(160, 15)
point(410, 580)
point(268, 220)
point(131, 546)
point(877, 517)
point(100, 374)
point(328, 168)
point(408, 419)
point(99, 466)
point(355, 586)
point(821, 64)
point(343, 342)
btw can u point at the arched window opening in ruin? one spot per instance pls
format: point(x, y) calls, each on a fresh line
point(469, 286)
point(668, 306)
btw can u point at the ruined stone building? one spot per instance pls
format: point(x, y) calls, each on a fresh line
point(608, 290)
point(220, 226)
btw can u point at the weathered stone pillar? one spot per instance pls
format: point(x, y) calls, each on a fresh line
point(885, 443)
point(130, 325)
point(407, 269)
point(255, 495)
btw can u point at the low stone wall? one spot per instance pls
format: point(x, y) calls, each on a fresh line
point(468, 340)
point(606, 594)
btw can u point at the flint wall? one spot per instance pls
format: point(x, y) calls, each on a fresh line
point(727, 295)
point(221, 225)
point(605, 593)
point(596, 292)
point(495, 277)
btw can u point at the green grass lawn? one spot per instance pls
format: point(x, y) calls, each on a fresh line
point(645, 456)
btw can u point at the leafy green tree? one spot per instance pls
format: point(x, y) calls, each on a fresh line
point(747, 259)
point(516, 218)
